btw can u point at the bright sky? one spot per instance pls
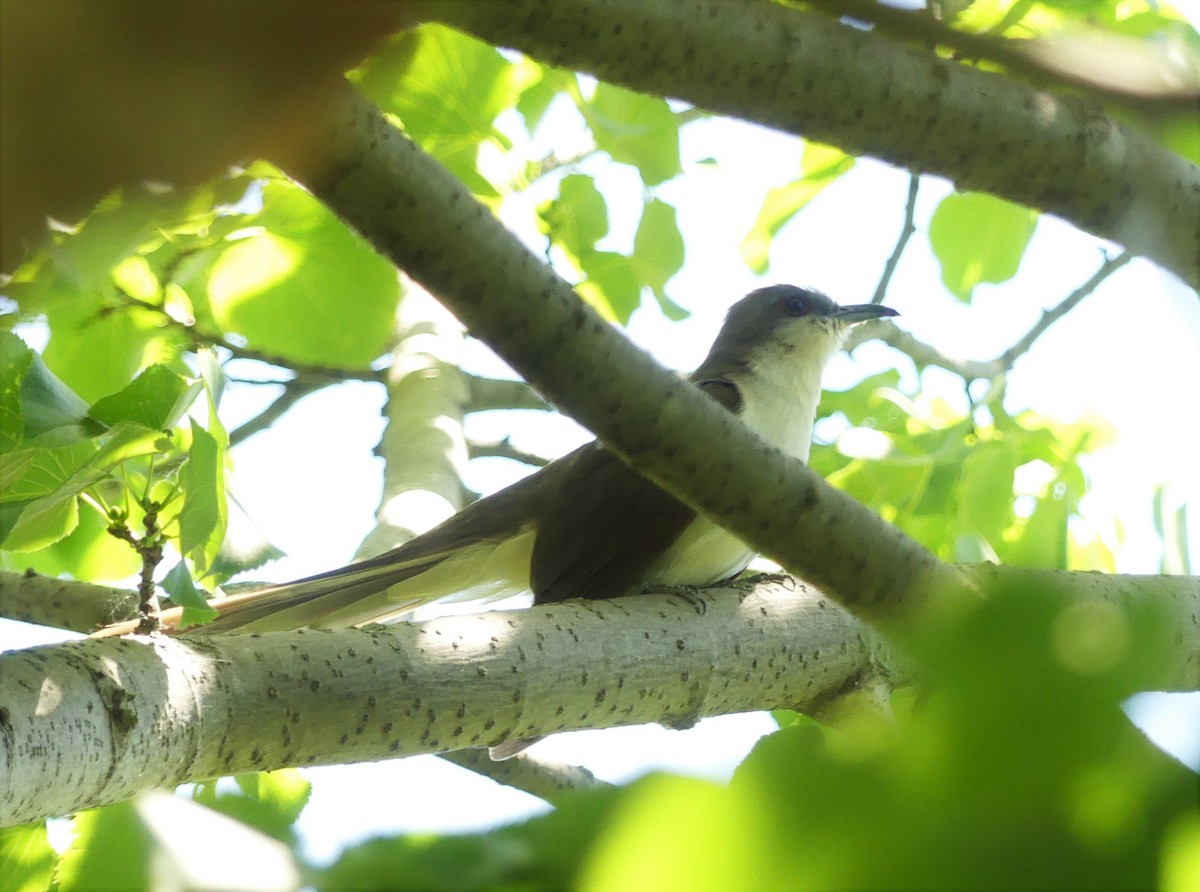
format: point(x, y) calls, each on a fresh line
point(312, 483)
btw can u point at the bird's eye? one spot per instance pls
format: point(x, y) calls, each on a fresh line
point(795, 304)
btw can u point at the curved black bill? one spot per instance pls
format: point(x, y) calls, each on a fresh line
point(863, 312)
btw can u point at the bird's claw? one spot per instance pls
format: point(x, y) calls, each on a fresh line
point(689, 593)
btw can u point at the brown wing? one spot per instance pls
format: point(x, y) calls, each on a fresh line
point(602, 524)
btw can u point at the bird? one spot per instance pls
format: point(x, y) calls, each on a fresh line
point(586, 525)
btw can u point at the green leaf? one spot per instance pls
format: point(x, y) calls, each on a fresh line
point(15, 359)
point(48, 405)
point(674, 833)
point(978, 238)
point(577, 218)
point(202, 519)
point(985, 490)
point(244, 546)
point(87, 552)
point(635, 129)
point(284, 792)
point(179, 585)
point(819, 167)
point(26, 858)
point(43, 522)
point(305, 287)
point(538, 93)
point(155, 399)
point(447, 89)
point(36, 473)
point(613, 287)
point(658, 253)
point(98, 352)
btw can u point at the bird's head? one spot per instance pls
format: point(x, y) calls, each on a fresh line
point(801, 323)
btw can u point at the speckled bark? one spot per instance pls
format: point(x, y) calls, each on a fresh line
point(91, 722)
point(417, 214)
point(807, 74)
point(78, 606)
point(423, 447)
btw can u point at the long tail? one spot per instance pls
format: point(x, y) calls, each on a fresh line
point(349, 596)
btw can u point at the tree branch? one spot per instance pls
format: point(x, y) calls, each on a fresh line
point(422, 447)
point(924, 354)
point(537, 777)
point(1035, 59)
point(417, 214)
point(62, 603)
point(487, 394)
point(503, 448)
point(802, 73)
point(293, 391)
point(78, 732)
point(1110, 265)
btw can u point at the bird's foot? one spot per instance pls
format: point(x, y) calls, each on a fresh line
point(746, 583)
point(689, 593)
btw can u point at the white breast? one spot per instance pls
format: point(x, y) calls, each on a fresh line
point(779, 403)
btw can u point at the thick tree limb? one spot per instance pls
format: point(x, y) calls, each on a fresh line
point(423, 447)
point(95, 721)
point(417, 214)
point(802, 73)
point(91, 722)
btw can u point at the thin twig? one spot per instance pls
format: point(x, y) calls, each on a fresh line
point(201, 338)
point(924, 354)
point(293, 392)
point(149, 547)
point(906, 231)
point(486, 394)
point(1049, 317)
point(533, 776)
point(503, 448)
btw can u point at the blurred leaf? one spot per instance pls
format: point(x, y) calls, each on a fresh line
point(15, 359)
point(26, 858)
point(277, 799)
point(978, 238)
point(612, 287)
point(1181, 855)
point(1172, 529)
point(635, 129)
point(543, 853)
point(536, 97)
point(820, 166)
point(304, 286)
point(155, 399)
point(675, 833)
point(111, 849)
point(985, 490)
point(577, 218)
point(658, 253)
point(447, 89)
point(97, 351)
